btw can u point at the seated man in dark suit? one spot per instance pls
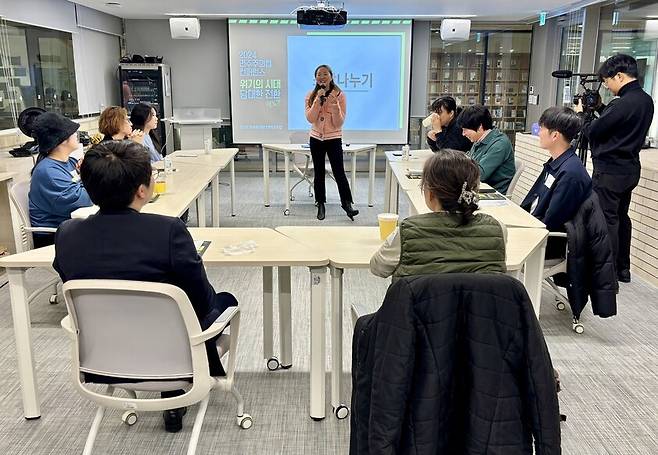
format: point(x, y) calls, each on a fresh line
point(121, 243)
point(564, 183)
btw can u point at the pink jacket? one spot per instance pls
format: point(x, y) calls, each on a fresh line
point(327, 120)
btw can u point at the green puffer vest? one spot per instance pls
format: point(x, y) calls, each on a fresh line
point(437, 243)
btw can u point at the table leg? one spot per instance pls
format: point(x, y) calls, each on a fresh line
point(232, 186)
point(20, 312)
point(318, 349)
point(371, 176)
point(201, 209)
point(286, 168)
point(388, 182)
point(214, 197)
point(268, 316)
point(266, 175)
point(336, 337)
point(533, 273)
point(353, 176)
point(285, 317)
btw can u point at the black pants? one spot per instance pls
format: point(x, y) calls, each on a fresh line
point(614, 191)
point(41, 239)
point(333, 148)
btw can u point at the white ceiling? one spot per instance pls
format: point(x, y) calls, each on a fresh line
point(503, 10)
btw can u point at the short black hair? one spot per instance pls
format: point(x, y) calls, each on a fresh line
point(618, 63)
point(563, 120)
point(472, 117)
point(112, 171)
point(447, 103)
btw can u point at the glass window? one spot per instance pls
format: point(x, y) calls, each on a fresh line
point(626, 29)
point(36, 69)
point(572, 32)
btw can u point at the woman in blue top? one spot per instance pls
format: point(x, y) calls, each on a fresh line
point(144, 118)
point(55, 188)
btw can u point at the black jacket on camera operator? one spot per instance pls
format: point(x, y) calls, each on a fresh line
point(616, 138)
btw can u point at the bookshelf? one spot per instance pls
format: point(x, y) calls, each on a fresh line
point(491, 68)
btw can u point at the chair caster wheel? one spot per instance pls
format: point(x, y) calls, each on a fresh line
point(273, 364)
point(310, 194)
point(577, 326)
point(560, 306)
point(53, 299)
point(285, 367)
point(341, 412)
point(245, 421)
point(317, 419)
point(129, 418)
point(286, 212)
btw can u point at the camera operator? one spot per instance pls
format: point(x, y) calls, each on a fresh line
point(616, 138)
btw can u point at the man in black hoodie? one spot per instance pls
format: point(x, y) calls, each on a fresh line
point(616, 138)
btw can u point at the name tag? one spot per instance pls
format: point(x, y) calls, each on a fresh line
point(549, 181)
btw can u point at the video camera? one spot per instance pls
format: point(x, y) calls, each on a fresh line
point(590, 98)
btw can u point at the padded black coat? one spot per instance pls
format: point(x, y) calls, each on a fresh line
point(453, 364)
point(590, 262)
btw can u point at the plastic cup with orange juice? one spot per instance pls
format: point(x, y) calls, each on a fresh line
point(387, 224)
point(160, 184)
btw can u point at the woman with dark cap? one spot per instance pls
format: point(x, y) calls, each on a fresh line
point(55, 188)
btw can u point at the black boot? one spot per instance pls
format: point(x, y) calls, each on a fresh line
point(351, 211)
point(320, 211)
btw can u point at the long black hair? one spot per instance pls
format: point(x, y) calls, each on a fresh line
point(139, 116)
point(332, 85)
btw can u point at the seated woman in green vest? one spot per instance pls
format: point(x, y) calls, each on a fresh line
point(450, 239)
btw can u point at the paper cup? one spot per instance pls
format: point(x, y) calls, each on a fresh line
point(387, 224)
point(427, 121)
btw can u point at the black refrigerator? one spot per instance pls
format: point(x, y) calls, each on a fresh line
point(149, 83)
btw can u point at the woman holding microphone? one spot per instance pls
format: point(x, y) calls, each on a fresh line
point(325, 110)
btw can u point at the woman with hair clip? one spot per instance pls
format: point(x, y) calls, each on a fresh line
point(55, 187)
point(452, 238)
point(325, 109)
point(143, 117)
point(445, 132)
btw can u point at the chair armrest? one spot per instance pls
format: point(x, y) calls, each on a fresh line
point(558, 234)
point(217, 327)
point(67, 326)
point(360, 309)
point(40, 229)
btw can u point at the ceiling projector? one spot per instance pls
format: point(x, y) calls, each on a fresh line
point(321, 15)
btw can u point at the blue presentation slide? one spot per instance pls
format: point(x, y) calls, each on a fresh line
point(366, 66)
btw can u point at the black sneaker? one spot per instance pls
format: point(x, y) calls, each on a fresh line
point(173, 419)
point(624, 276)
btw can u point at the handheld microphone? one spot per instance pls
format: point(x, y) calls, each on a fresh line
point(323, 97)
point(562, 74)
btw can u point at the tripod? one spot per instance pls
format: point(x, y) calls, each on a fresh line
point(582, 143)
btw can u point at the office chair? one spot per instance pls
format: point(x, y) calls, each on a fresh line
point(148, 334)
point(520, 166)
point(19, 199)
point(552, 267)
point(302, 164)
